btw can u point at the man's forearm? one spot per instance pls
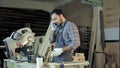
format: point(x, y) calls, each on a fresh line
point(67, 48)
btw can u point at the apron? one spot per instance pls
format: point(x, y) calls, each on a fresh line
point(65, 56)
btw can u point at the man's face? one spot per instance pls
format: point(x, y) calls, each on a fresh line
point(56, 18)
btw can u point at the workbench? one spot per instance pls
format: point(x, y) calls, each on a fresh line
point(9, 63)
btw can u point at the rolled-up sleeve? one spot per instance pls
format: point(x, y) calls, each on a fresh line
point(74, 37)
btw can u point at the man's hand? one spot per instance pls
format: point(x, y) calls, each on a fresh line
point(53, 26)
point(57, 52)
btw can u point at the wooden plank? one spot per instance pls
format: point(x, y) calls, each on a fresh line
point(93, 34)
point(99, 55)
point(37, 44)
point(111, 13)
point(69, 64)
point(45, 48)
point(11, 63)
point(110, 3)
point(111, 23)
point(111, 17)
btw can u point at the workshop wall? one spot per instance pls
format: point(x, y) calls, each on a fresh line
point(111, 10)
point(80, 14)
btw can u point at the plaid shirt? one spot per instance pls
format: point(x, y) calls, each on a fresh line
point(70, 35)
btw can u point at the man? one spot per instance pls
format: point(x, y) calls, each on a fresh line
point(65, 35)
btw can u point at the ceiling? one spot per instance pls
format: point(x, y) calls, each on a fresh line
point(12, 19)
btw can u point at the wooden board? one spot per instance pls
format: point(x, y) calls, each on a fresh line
point(69, 64)
point(111, 13)
point(44, 48)
point(93, 34)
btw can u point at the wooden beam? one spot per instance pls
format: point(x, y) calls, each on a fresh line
point(93, 34)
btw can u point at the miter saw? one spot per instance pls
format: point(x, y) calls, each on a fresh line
point(23, 36)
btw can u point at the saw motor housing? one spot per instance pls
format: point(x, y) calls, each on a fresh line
point(23, 36)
